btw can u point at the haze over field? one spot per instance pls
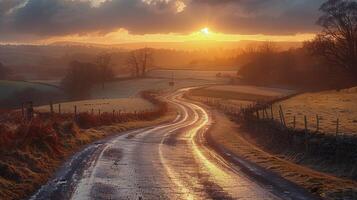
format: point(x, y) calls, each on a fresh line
point(178, 99)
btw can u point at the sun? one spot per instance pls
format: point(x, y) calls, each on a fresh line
point(205, 31)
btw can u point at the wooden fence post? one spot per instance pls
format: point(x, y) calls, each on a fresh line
point(113, 114)
point(306, 144)
point(59, 108)
point(22, 110)
point(99, 112)
point(317, 123)
point(51, 107)
point(294, 122)
point(271, 111)
point(337, 126)
point(282, 115)
point(266, 113)
point(281, 118)
point(75, 111)
point(92, 111)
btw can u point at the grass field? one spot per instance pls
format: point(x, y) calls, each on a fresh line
point(131, 88)
point(240, 93)
point(127, 89)
point(229, 134)
point(104, 105)
point(8, 88)
point(328, 105)
point(191, 74)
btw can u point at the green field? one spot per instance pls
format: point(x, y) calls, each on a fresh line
point(12, 93)
point(156, 80)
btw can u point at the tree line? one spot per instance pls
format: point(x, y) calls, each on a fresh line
point(327, 61)
point(81, 77)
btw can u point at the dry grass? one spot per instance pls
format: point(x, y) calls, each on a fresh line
point(104, 105)
point(234, 139)
point(246, 89)
point(259, 149)
point(328, 105)
point(240, 93)
point(31, 152)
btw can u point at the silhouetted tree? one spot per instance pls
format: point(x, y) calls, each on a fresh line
point(261, 63)
point(80, 79)
point(106, 72)
point(139, 61)
point(337, 43)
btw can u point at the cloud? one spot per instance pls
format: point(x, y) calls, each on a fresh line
point(44, 18)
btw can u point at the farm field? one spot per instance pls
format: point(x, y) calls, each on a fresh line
point(241, 92)
point(131, 88)
point(191, 74)
point(54, 82)
point(104, 105)
point(8, 88)
point(328, 105)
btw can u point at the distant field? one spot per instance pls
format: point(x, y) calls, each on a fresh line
point(241, 92)
point(328, 105)
point(123, 88)
point(191, 74)
point(131, 88)
point(8, 88)
point(104, 105)
point(54, 82)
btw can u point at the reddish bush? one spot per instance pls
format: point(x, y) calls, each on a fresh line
point(39, 134)
point(7, 137)
point(86, 120)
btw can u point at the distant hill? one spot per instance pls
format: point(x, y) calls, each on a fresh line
point(189, 45)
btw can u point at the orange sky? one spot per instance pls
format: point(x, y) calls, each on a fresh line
point(143, 21)
point(205, 34)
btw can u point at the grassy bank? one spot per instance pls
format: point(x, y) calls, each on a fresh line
point(310, 164)
point(31, 152)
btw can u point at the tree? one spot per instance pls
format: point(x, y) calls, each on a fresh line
point(80, 79)
point(337, 43)
point(139, 61)
point(3, 71)
point(261, 63)
point(106, 72)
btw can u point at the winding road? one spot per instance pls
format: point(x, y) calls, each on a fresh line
point(169, 161)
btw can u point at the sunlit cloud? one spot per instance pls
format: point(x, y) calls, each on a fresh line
point(123, 36)
point(35, 20)
point(180, 6)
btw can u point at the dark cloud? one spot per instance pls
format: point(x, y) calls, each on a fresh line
point(45, 18)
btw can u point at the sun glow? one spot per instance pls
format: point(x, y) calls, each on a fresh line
point(204, 35)
point(205, 31)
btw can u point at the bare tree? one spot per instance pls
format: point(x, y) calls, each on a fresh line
point(140, 61)
point(80, 79)
point(337, 43)
point(133, 63)
point(103, 63)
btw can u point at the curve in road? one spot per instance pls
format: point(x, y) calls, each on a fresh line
point(170, 161)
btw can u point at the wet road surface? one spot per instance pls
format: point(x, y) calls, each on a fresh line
point(169, 161)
